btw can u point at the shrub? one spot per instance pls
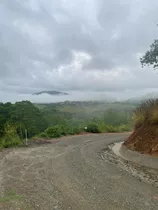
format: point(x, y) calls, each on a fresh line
point(93, 128)
point(43, 135)
point(65, 129)
point(53, 131)
point(60, 130)
point(10, 137)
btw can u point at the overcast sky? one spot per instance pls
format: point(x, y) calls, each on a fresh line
point(79, 45)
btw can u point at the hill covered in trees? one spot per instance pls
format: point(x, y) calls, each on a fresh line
point(21, 116)
point(58, 119)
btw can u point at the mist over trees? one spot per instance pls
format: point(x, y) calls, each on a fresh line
point(60, 119)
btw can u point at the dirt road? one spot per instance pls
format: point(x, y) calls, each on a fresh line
point(69, 174)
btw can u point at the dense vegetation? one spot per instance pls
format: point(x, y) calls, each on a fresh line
point(59, 119)
point(15, 118)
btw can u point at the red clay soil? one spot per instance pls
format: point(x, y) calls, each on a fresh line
point(144, 140)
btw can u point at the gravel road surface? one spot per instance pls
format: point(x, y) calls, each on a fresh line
point(70, 174)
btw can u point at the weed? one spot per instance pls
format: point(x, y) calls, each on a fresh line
point(11, 195)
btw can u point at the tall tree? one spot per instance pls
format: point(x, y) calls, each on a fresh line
point(23, 115)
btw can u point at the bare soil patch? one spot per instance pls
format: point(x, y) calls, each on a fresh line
point(144, 140)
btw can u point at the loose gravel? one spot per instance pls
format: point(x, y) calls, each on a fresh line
point(142, 173)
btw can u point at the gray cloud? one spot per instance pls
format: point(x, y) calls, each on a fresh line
point(61, 45)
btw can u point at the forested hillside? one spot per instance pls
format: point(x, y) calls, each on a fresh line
point(21, 116)
point(55, 120)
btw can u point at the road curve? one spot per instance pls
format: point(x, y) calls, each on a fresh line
point(69, 174)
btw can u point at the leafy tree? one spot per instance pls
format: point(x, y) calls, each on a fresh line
point(23, 115)
point(4, 116)
point(26, 116)
point(151, 56)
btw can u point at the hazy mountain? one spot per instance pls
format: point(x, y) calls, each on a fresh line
point(147, 96)
point(51, 92)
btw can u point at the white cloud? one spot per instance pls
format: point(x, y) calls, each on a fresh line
point(61, 45)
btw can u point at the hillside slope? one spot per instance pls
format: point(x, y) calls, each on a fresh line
point(144, 139)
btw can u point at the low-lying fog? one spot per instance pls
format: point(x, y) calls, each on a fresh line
point(77, 96)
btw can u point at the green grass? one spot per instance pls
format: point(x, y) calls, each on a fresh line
point(11, 195)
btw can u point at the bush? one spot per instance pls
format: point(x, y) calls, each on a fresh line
point(53, 131)
point(65, 129)
point(10, 137)
point(43, 135)
point(60, 130)
point(93, 128)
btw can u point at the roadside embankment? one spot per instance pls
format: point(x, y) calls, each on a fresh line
point(134, 156)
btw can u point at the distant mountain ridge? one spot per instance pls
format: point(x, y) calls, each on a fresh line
point(50, 92)
point(152, 95)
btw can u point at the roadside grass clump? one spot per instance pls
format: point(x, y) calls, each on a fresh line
point(146, 113)
point(116, 129)
point(10, 137)
point(11, 195)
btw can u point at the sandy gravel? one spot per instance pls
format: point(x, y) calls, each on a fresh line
point(73, 173)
